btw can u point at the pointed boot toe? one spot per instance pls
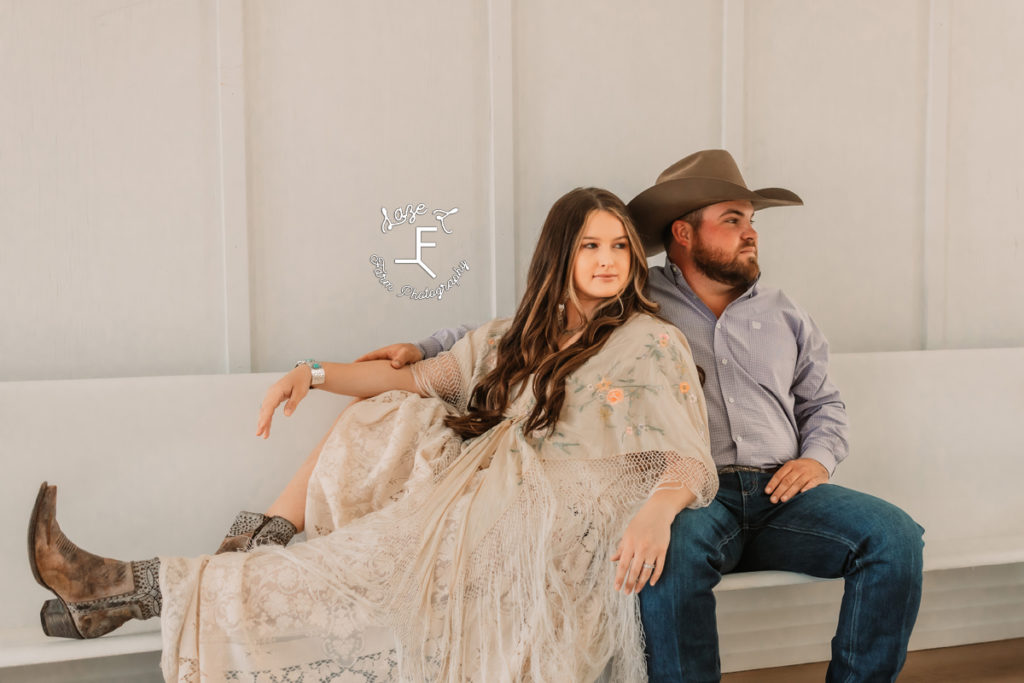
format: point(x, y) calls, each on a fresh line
point(95, 594)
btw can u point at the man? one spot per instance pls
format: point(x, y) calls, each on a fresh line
point(778, 430)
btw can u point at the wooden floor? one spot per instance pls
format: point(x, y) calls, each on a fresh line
point(998, 662)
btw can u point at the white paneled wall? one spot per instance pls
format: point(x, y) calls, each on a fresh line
point(609, 96)
point(834, 110)
point(354, 107)
point(110, 245)
point(984, 283)
point(196, 186)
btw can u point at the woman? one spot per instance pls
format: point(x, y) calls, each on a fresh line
point(461, 523)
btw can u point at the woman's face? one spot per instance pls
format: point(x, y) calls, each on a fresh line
point(601, 267)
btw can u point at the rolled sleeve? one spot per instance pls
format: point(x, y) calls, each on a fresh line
point(429, 347)
point(443, 340)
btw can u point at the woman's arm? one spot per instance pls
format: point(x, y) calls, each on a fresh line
point(352, 379)
point(646, 539)
point(672, 411)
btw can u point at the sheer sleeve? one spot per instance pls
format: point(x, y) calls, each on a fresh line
point(674, 415)
point(451, 375)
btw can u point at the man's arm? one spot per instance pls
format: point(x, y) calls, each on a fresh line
point(820, 416)
point(820, 412)
point(405, 353)
point(442, 340)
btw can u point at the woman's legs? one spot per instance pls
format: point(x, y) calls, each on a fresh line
point(95, 595)
point(291, 503)
point(285, 517)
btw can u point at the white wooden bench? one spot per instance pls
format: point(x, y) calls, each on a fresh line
point(161, 465)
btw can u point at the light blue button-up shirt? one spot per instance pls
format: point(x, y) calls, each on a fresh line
point(767, 389)
point(768, 394)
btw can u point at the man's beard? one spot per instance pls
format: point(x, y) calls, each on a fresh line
point(715, 265)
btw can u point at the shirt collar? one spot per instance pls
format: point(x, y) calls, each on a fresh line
point(684, 286)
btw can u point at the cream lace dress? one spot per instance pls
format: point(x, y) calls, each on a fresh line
point(434, 559)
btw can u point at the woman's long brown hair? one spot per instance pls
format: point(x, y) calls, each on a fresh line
point(530, 346)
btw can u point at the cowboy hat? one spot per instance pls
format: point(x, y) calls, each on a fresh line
point(699, 180)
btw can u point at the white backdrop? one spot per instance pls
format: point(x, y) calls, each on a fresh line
point(194, 186)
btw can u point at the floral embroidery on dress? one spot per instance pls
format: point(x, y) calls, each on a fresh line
point(621, 397)
point(491, 351)
point(556, 438)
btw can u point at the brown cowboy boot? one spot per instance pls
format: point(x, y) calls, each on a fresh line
point(252, 529)
point(95, 595)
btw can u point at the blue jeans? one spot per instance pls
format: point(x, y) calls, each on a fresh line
point(829, 531)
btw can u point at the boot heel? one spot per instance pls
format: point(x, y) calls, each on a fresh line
point(57, 621)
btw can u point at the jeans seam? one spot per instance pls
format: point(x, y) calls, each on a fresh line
point(724, 542)
point(809, 532)
point(853, 631)
point(852, 634)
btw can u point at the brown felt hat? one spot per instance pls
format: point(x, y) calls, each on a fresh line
point(699, 180)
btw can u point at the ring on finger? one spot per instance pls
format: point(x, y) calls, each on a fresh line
point(648, 565)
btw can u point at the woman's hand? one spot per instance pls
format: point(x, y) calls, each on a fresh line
point(641, 553)
point(293, 387)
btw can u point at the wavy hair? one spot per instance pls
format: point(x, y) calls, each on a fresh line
point(530, 346)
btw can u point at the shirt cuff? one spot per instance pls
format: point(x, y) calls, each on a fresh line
point(429, 347)
point(822, 455)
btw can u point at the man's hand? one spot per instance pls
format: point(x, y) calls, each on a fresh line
point(796, 476)
point(398, 354)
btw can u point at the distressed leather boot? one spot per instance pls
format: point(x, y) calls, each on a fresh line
point(252, 529)
point(95, 594)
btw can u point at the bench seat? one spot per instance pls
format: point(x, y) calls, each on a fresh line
point(932, 431)
point(26, 646)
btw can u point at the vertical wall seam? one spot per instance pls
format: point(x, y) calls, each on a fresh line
point(502, 157)
point(936, 162)
point(733, 101)
point(233, 191)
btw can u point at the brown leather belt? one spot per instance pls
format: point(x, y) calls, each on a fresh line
point(729, 469)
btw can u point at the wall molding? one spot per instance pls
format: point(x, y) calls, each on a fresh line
point(233, 185)
point(502, 157)
point(733, 100)
point(936, 154)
